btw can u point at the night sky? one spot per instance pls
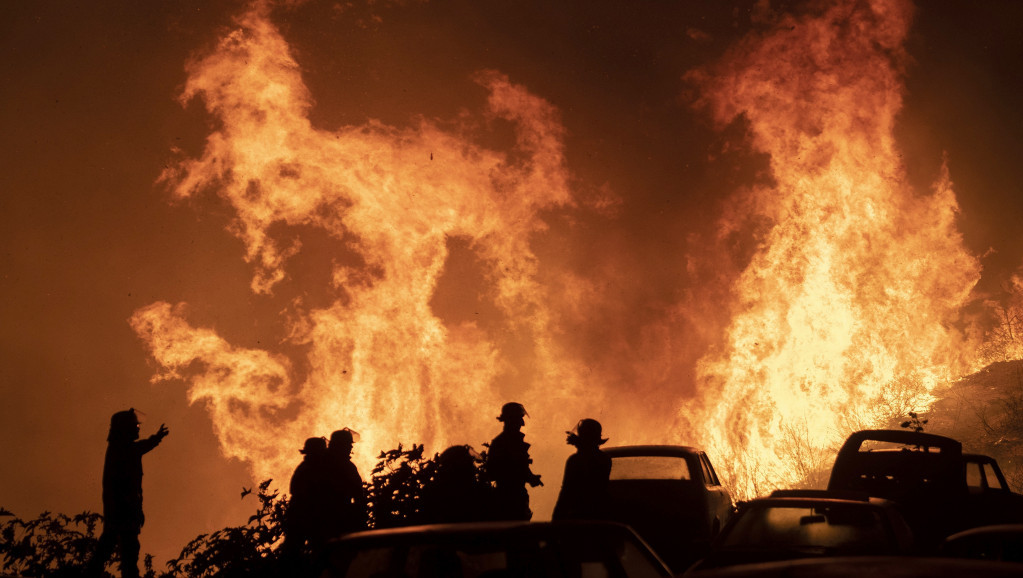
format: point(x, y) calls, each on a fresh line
point(91, 117)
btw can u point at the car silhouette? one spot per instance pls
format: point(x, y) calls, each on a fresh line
point(872, 566)
point(495, 550)
point(793, 524)
point(997, 542)
point(940, 489)
point(671, 496)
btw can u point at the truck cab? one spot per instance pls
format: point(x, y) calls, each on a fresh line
point(940, 489)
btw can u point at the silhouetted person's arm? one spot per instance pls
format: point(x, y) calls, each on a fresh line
point(146, 445)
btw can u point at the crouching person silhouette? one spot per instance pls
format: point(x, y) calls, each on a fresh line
point(122, 493)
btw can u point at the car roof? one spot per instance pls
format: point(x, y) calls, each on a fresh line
point(1016, 529)
point(856, 495)
point(651, 450)
point(874, 566)
point(442, 531)
point(801, 501)
point(978, 458)
point(856, 439)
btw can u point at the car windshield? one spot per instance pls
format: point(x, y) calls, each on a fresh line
point(841, 527)
point(649, 468)
point(870, 445)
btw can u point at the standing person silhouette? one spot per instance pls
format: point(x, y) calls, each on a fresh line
point(508, 464)
point(584, 488)
point(348, 495)
point(122, 493)
point(307, 519)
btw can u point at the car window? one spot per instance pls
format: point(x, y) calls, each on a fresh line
point(870, 445)
point(708, 472)
point(992, 478)
point(974, 475)
point(649, 468)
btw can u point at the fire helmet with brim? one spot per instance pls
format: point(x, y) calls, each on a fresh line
point(512, 410)
point(344, 437)
point(587, 432)
point(314, 446)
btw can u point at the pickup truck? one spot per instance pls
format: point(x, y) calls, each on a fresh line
point(941, 490)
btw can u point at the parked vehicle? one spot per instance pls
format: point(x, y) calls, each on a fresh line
point(495, 550)
point(940, 489)
point(809, 524)
point(998, 542)
point(872, 566)
point(671, 496)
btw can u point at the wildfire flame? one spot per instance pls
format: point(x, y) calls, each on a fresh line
point(379, 360)
point(849, 300)
point(843, 315)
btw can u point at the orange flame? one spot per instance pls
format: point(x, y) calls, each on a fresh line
point(379, 360)
point(842, 317)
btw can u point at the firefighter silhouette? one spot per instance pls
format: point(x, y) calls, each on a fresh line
point(347, 500)
point(508, 466)
point(583, 493)
point(307, 520)
point(122, 493)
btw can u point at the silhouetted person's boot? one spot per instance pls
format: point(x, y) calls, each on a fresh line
point(122, 493)
point(508, 466)
point(584, 488)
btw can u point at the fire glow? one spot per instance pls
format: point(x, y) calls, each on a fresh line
point(843, 313)
point(845, 305)
point(377, 355)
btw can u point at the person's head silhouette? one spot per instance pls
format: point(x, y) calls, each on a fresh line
point(342, 441)
point(124, 426)
point(314, 446)
point(587, 434)
point(513, 415)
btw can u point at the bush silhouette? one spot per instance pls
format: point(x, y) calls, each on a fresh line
point(59, 546)
point(247, 550)
point(51, 545)
point(395, 489)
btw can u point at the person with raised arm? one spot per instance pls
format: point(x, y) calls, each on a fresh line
point(122, 493)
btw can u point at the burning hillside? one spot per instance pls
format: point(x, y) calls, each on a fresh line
point(838, 293)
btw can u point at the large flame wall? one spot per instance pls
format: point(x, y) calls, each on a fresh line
point(845, 304)
point(378, 358)
point(842, 318)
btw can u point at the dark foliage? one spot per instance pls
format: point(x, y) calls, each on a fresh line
point(914, 423)
point(395, 489)
point(56, 545)
point(51, 545)
point(399, 483)
point(239, 551)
